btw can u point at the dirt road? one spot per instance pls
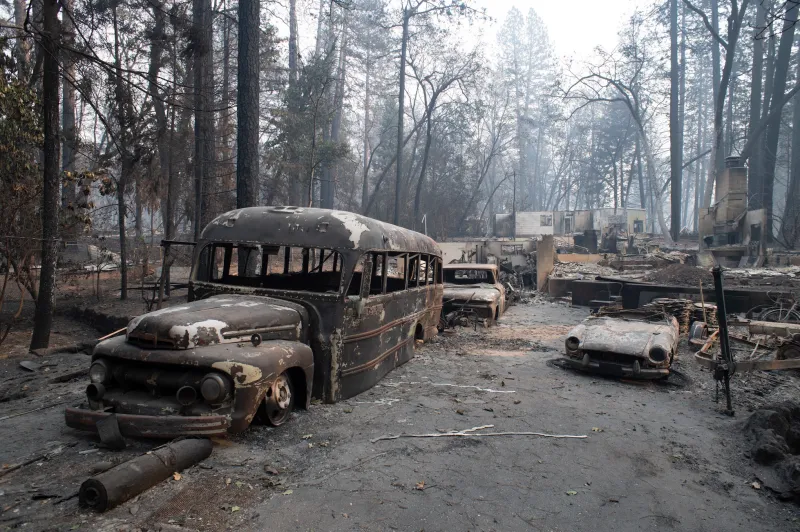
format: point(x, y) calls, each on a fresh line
point(655, 456)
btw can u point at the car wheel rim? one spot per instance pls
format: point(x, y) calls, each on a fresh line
point(279, 404)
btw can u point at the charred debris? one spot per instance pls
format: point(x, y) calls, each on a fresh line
point(268, 327)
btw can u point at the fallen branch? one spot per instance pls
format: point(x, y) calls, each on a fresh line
point(489, 390)
point(79, 347)
point(44, 455)
point(69, 376)
point(32, 410)
point(337, 471)
point(472, 433)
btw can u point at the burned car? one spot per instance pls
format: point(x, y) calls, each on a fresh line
point(625, 344)
point(285, 303)
point(474, 289)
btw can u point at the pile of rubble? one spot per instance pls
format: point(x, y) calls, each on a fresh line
point(785, 277)
point(581, 269)
point(681, 309)
point(707, 313)
point(775, 434)
point(682, 274)
point(514, 281)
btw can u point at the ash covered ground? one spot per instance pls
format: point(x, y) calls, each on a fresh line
point(656, 456)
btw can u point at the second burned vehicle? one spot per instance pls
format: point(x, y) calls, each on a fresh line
point(473, 290)
point(635, 343)
point(285, 303)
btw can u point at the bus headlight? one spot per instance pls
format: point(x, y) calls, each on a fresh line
point(100, 371)
point(215, 388)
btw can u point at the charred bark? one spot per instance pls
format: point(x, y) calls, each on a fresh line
point(754, 180)
point(675, 127)
point(367, 157)
point(247, 104)
point(295, 187)
point(400, 115)
point(68, 108)
point(51, 189)
point(773, 128)
point(336, 124)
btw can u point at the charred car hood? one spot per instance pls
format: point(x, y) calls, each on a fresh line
point(484, 293)
point(216, 320)
point(626, 337)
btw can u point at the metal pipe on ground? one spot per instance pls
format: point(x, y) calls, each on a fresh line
point(115, 486)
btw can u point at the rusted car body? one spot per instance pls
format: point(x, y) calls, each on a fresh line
point(285, 304)
point(627, 344)
point(474, 287)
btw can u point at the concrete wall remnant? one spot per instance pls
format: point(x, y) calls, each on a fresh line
point(631, 220)
point(534, 223)
point(566, 223)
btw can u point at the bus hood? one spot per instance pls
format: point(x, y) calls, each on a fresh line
point(216, 320)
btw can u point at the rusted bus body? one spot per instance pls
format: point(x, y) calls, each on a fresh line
point(628, 344)
point(328, 301)
point(476, 287)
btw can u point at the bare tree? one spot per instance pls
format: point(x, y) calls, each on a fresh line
point(729, 45)
point(604, 83)
point(412, 9)
point(443, 74)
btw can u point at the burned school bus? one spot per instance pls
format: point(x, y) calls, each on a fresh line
point(285, 303)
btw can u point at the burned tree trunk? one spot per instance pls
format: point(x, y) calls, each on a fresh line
point(51, 190)
point(68, 107)
point(367, 157)
point(754, 179)
point(247, 108)
point(790, 226)
point(123, 114)
point(336, 124)
point(400, 115)
point(675, 127)
point(203, 137)
point(774, 126)
point(210, 181)
point(425, 154)
point(162, 127)
point(294, 160)
point(22, 49)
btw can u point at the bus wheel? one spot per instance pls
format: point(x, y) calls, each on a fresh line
point(279, 402)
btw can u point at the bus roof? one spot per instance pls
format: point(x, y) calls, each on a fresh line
point(316, 228)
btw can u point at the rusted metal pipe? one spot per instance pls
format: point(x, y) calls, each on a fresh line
point(782, 330)
point(115, 486)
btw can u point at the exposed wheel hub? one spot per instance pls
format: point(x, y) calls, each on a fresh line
point(283, 394)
